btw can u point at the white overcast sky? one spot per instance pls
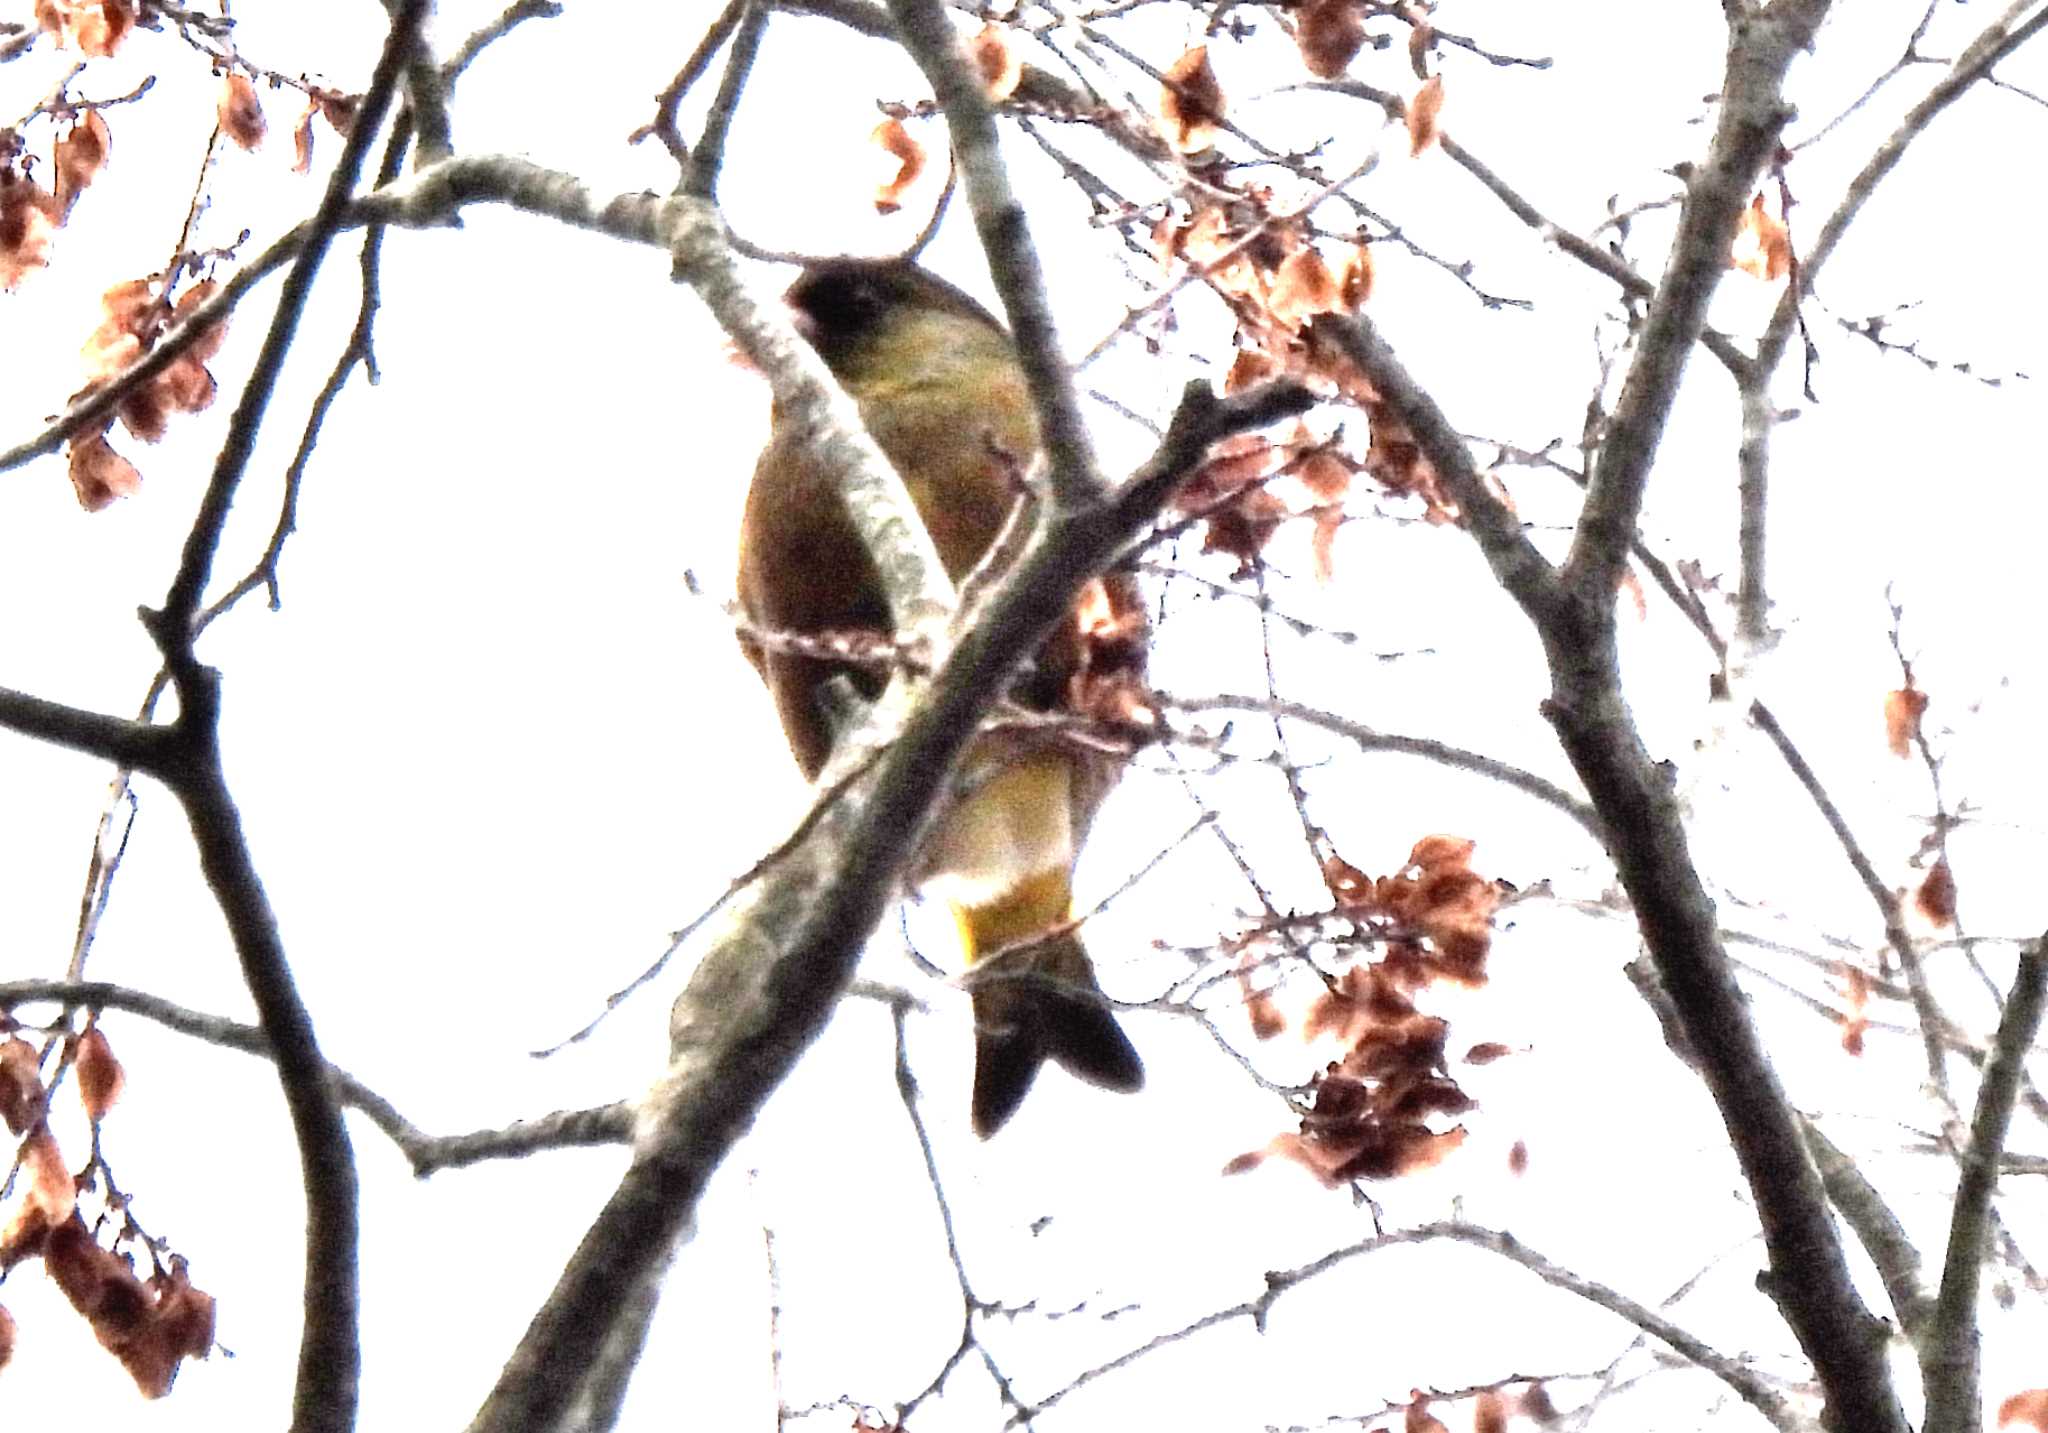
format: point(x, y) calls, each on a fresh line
point(491, 752)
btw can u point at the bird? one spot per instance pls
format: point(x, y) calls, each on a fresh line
point(940, 388)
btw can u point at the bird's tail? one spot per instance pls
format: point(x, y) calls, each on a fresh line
point(1004, 858)
point(1036, 1004)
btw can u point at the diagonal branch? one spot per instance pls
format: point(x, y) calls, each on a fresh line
point(1367, 739)
point(1949, 1359)
point(774, 972)
point(1522, 571)
point(1748, 1384)
point(427, 1153)
point(1809, 1276)
point(1753, 113)
point(129, 743)
point(926, 30)
point(329, 1367)
point(1996, 41)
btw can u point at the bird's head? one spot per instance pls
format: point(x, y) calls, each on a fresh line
point(859, 313)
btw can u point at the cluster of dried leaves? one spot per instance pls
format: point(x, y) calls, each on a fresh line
point(151, 1325)
point(135, 314)
point(1280, 282)
point(1370, 1113)
point(1106, 684)
point(96, 27)
point(30, 215)
point(1491, 1410)
point(1193, 110)
point(1277, 277)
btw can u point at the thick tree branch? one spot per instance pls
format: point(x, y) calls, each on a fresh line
point(1996, 41)
point(700, 177)
point(1876, 1228)
point(127, 743)
point(1646, 838)
point(1753, 112)
point(773, 973)
point(1522, 571)
point(427, 1153)
point(1950, 1357)
point(327, 1392)
point(1809, 1277)
point(926, 29)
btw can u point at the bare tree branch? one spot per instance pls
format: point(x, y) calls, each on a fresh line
point(927, 32)
point(1751, 1386)
point(774, 972)
point(1645, 830)
point(127, 743)
point(1368, 739)
point(1753, 112)
point(1949, 1358)
point(428, 1154)
point(1996, 41)
point(1876, 1228)
point(327, 1392)
point(700, 179)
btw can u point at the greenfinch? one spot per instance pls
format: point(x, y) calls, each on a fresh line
point(939, 387)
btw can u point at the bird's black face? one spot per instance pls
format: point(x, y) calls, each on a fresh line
point(838, 304)
point(842, 305)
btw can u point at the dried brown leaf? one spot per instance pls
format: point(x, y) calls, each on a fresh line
point(1354, 278)
point(1251, 367)
point(1419, 1418)
point(995, 60)
point(241, 113)
point(21, 1085)
point(1303, 287)
point(2030, 1408)
point(29, 215)
point(1763, 245)
point(1936, 898)
point(1902, 712)
point(1421, 39)
point(900, 145)
point(1330, 34)
point(302, 140)
point(184, 387)
point(52, 1193)
point(100, 474)
point(100, 1077)
point(1423, 112)
point(1191, 102)
point(1326, 474)
point(1329, 519)
point(79, 156)
point(206, 344)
